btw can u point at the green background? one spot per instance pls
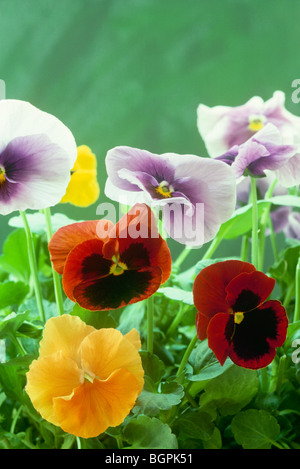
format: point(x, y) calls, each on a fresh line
point(132, 72)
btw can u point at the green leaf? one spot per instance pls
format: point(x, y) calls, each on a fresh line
point(11, 323)
point(241, 221)
point(97, 319)
point(255, 429)
point(14, 259)
point(285, 269)
point(12, 293)
point(132, 317)
point(195, 424)
point(152, 366)
point(205, 364)
point(177, 294)
point(149, 433)
point(287, 200)
point(151, 402)
point(230, 391)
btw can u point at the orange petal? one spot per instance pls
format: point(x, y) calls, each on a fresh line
point(107, 350)
point(50, 377)
point(66, 238)
point(98, 405)
point(134, 337)
point(64, 333)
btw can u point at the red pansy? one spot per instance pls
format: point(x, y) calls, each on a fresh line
point(235, 315)
point(106, 266)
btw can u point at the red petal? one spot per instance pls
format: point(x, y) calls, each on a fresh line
point(210, 286)
point(219, 332)
point(249, 290)
point(85, 262)
point(201, 325)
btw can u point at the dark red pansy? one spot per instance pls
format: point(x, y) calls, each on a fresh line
point(106, 266)
point(235, 315)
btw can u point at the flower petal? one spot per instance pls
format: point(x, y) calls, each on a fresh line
point(112, 292)
point(257, 336)
point(209, 288)
point(107, 350)
point(49, 377)
point(67, 237)
point(249, 290)
point(219, 333)
point(96, 406)
point(64, 333)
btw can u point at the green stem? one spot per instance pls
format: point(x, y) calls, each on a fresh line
point(264, 379)
point(15, 419)
point(18, 344)
point(185, 357)
point(182, 310)
point(263, 225)
point(244, 248)
point(254, 245)
point(56, 278)
point(280, 375)
point(297, 293)
point(182, 256)
point(33, 267)
point(150, 322)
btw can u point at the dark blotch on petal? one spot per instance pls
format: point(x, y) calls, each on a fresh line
point(250, 336)
point(246, 301)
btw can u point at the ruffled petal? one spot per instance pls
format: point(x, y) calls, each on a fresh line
point(49, 377)
point(96, 406)
point(107, 350)
point(64, 333)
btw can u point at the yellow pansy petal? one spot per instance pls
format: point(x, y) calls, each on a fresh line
point(98, 405)
point(107, 350)
point(50, 377)
point(85, 159)
point(64, 333)
point(83, 189)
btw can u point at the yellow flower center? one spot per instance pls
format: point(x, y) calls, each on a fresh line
point(164, 189)
point(2, 176)
point(118, 267)
point(256, 122)
point(238, 317)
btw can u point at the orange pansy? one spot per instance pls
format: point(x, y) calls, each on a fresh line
point(85, 380)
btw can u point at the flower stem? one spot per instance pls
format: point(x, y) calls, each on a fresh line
point(150, 321)
point(297, 293)
point(182, 310)
point(280, 374)
point(56, 279)
point(254, 246)
point(33, 266)
point(182, 256)
point(186, 357)
point(265, 220)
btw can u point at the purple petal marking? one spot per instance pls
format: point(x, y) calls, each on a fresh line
point(136, 160)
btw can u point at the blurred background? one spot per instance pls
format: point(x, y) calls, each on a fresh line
point(132, 72)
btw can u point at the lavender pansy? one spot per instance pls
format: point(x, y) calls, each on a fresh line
point(37, 153)
point(262, 153)
point(222, 127)
point(179, 184)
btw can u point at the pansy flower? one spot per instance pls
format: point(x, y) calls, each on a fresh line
point(235, 315)
point(261, 155)
point(222, 127)
point(85, 380)
point(105, 266)
point(37, 153)
point(83, 189)
point(180, 185)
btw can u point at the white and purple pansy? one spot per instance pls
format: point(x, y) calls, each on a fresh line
point(264, 153)
point(181, 182)
point(37, 153)
point(222, 127)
